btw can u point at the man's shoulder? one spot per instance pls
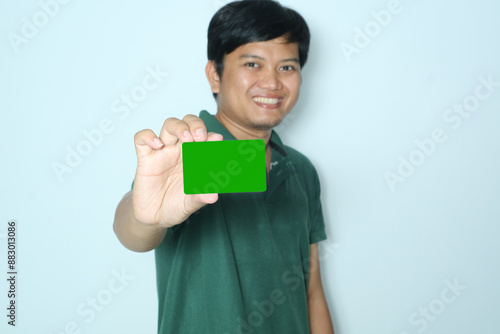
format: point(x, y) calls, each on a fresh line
point(299, 159)
point(303, 167)
point(304, 170)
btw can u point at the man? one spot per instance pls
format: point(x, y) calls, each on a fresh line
point(246, 262)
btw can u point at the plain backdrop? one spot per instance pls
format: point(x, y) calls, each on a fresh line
point(399, 112)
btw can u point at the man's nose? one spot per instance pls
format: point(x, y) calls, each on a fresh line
point(270, 80)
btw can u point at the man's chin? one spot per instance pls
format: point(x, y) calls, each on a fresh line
point(269, 121)
point(266, 125)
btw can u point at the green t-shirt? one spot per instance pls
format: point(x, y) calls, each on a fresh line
point(241, 265)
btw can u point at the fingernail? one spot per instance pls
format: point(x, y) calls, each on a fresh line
point(187, 134)
point(158, 142)
point(200, 133)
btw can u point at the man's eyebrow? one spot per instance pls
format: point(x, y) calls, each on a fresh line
point(249, 55)
point(253, 56)
point(295, 60)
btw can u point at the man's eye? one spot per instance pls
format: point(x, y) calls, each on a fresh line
point(254, 65)
point(288, 68)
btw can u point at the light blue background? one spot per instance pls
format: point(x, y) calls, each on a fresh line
point(389, 252)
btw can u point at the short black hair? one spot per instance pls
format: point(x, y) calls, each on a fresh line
point(242, 22)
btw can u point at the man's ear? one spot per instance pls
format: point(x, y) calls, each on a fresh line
point(212, 76)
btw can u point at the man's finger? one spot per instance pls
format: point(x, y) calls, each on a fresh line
point(207, 198)
point(212, 136)
point(145, 142)
point(196, 127)
point(174, 130)
point(196, 202)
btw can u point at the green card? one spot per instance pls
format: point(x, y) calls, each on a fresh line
point(229, 166)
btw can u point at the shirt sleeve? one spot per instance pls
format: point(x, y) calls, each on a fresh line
point(317, 227)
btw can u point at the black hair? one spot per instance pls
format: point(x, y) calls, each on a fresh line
point(242, 22)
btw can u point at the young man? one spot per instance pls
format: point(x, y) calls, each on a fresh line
point(246, 262)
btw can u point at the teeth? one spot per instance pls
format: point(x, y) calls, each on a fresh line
point(266, 100)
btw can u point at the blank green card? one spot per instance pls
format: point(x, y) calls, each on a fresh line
point(230, 166)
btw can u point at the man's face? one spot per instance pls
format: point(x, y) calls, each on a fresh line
point(260, 83)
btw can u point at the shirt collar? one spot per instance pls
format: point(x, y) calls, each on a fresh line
point(214, 125)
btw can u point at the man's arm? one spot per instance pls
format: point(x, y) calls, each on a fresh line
point(319, 315)
point(133, 234)
point(157, 201)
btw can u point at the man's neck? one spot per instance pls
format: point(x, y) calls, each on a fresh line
point(242, 133)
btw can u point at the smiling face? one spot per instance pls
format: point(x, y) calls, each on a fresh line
point(260, 84)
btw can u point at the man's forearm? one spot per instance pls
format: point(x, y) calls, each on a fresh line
point(320, 321)
point(133, 234)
